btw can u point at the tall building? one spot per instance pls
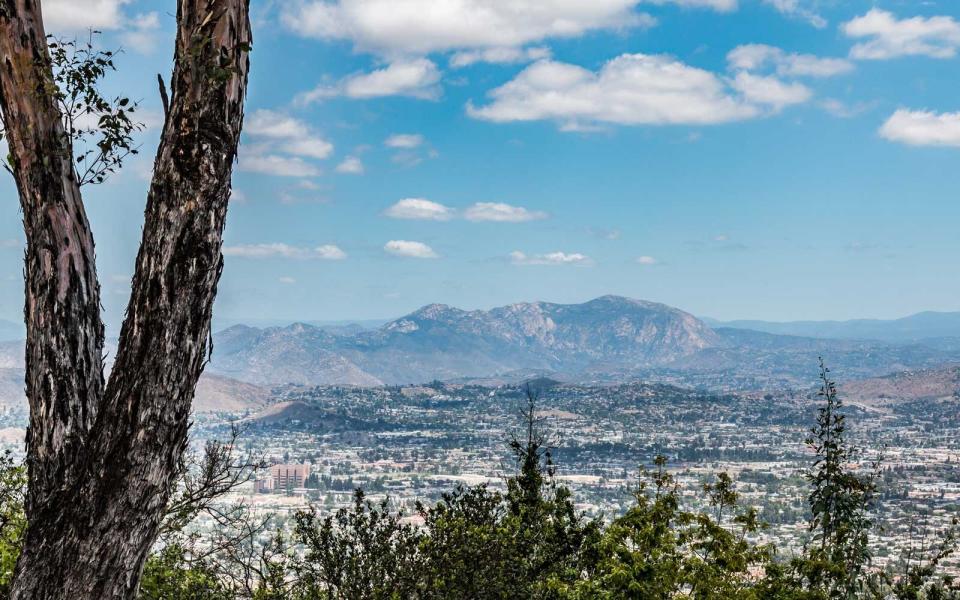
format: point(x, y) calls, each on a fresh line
point(289, 476)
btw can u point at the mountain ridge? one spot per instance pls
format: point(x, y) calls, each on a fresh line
point(610, 337)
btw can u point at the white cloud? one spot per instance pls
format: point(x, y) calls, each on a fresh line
point(10, 244)
point(350, 165)
point(419, 209)
point(271, 124)
point(551, 258)
point(416, 78)
point(141, 33)
point(796, 9)
point(770, 90)
point(844, 110)
point(287, 280)
point(293, 135)
point(632, 89)
point(138, 32)
point(409, 249)
point(312, 147)
point(646, 260)
point(392, 27)
point(756, 57)
point(502, 213)
point(923, 128)
point(717, 5)
point(76, 15)
point(281, 250)
point(500, 56)
point(281, 144)
point(889, 37)
point(272, 164)
point(404, 140)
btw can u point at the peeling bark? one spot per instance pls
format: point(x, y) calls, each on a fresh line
point(102, 457)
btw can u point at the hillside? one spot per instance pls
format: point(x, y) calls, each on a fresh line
point(905, 386)
point(214, 393)
point(607, 339)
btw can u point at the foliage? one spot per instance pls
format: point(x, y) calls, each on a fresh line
point(838, 551)
point(529, 541)
point(171, 575)
point(361, 552)
point(13, 481)
point(99, 129)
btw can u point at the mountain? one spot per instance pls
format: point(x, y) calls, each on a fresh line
point(12, 386)
point(604, 340)
point(920, 326)
point(214, 393)
point(222, 394)
point(11, 355)
point(442, 342)
point(300, 354)
point(905, 386)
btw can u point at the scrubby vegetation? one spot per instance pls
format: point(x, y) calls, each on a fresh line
point(530, 541)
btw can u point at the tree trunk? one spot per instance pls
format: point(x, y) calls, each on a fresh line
point(102, 457)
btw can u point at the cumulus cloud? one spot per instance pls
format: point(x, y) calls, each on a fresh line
point(770, 90)
point(281, 166)
point(551, 258)
point(419, 209)
point(281, 143)
point(281, 250)
point(646, 260)
point(633, 89)
point(923, 128)
point(75, 15)
point(138, 31)
point(502, 213)
point(404, 140)
point(427, 210)
point(350, 165)
point(141, 33)
point(799, 10)
point(415, 78)
point(294, 136)
point(717, 5)
point(418, 27)
point(758, 57)
point(499, 56)
point(408, 249)
point(888, 37)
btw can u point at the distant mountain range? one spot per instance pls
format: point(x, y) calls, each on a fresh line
point(918, 327)
point(607, 339)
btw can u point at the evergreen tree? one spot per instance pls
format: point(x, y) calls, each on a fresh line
point(840, 499)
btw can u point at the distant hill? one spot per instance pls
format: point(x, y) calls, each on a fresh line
point(214, 393)
point(908, 329)
point(12, 388)
point(442, 342)
point(296, 411)
point(607, 339)
point(222, 394)
point(905, 386)
point(11, 355)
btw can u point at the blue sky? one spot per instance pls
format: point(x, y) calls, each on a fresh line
point(771, 159)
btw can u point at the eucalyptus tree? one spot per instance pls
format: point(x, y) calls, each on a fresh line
point(102, 453)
